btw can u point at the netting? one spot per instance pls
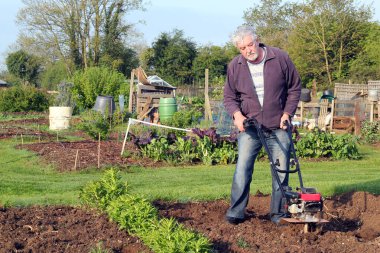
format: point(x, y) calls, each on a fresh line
point(135, 121)
point(221, 121)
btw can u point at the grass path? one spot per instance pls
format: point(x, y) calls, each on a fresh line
point(24, 180)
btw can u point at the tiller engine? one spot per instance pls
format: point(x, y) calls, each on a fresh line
point(304, 205)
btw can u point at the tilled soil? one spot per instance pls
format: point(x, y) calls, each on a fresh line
point(61, 229)
point(83, 154)
point(354, 226)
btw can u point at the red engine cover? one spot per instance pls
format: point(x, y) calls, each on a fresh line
point(311, 196)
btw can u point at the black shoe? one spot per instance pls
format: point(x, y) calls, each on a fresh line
point(234, 221)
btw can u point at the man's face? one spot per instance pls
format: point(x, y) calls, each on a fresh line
point(248, 48)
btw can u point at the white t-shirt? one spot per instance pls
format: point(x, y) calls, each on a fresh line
point(257, 74)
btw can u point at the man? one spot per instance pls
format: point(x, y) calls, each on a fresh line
point(262, 82)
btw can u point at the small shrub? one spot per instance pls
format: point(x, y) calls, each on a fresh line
point(94, 81)
point(94, 124)
point(23, 99)
point(370, 131)
point(100, 193)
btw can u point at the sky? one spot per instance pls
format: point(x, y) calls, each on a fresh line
point(203, 21)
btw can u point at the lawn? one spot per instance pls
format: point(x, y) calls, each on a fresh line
point(25, 180)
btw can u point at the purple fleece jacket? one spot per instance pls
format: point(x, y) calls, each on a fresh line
point(282, 88)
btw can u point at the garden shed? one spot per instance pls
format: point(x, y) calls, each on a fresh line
point(146, 93)
point(351, 104)
point(355, 103)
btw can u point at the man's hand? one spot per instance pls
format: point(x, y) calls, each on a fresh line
point(285, 118)
point(238, 121)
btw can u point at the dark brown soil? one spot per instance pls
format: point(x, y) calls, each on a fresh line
point(354, 227)
point(86, 154)
point(61, 229)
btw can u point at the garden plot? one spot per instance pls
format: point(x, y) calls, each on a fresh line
point(354, 218)
point(354, 227)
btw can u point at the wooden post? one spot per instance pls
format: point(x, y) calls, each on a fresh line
point(131, 83)
point(76, 159)
point(332, 113)
point(357, 119)
point(372, 105)
point(301, 114)
point(314, 93)
point(99, 152)
point(208, 114)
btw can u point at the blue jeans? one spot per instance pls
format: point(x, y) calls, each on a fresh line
point(249, 146)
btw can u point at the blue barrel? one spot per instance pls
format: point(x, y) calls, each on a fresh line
point(167, 107)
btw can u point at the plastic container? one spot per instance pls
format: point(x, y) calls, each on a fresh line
point(373, 95)
point(59, 117)
point(167, 107)
point(305, 95)
point(105, 104)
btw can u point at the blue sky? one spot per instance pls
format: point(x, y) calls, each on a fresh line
point(204, 21)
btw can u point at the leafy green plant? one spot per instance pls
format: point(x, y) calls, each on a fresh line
point(170, 236)
point(205, 150)
point(94, 124)
point(317, 144)
point(140, 218)
point(344, 146)
point(227, 153)
point(157, 149)
point(100, 193)
point(370, 131)
point(132, 213)
point(184, 150)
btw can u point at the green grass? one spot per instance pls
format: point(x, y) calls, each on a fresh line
point(24, 180)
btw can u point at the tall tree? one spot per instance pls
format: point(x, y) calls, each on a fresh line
point(213, 58)
point(272, 20)
point(325, 39)
point(75, 29)
point(173, 56)
point(366, 65)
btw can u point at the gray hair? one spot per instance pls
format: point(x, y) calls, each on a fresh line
point(241, 32)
